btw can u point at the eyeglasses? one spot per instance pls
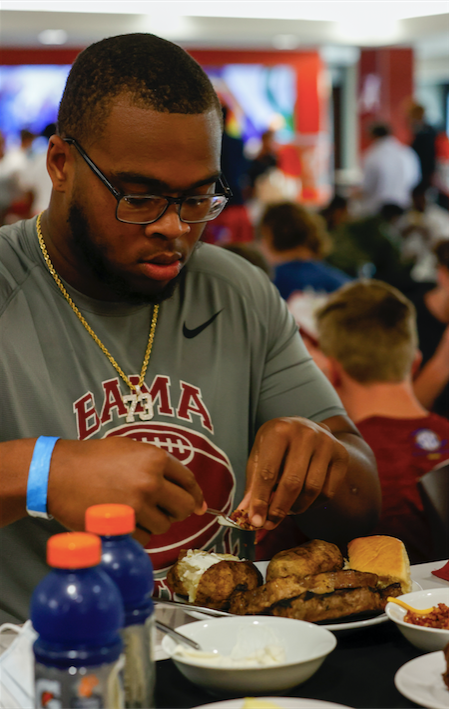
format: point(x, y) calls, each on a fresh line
point(148, 208)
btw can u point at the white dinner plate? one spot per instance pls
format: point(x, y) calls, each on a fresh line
point(334, 627)
point(420, 681)
point(281, 702)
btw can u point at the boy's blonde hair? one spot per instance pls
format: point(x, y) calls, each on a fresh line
point(370, 328)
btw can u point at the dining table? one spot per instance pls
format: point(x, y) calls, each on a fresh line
point(359, 673)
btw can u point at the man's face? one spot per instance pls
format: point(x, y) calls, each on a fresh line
point(141, 151)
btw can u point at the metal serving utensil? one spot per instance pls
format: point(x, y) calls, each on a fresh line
point(223, 519)
point(179, 637)
point(227, 521)
point(191, 607)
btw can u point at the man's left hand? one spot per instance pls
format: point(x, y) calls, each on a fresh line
point(294, 463)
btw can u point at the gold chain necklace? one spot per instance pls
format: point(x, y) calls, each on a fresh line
point(138, 397)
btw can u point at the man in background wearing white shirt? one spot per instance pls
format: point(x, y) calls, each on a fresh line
point(390, 171)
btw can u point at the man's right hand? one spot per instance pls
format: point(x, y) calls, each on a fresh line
point(159, 488)
point(82, 473)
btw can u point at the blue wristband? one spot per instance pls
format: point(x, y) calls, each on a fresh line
point(38, 477)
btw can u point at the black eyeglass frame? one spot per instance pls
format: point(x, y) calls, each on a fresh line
point(227, 192)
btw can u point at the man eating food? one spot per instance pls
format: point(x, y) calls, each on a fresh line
point(141, 366)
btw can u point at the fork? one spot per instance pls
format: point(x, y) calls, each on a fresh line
point(223, 519)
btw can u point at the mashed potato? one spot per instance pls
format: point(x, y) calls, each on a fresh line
point(257, 646)
point(263, 657)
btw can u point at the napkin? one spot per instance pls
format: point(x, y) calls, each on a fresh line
point(442, 573)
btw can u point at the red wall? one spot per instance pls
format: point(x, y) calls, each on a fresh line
point(392, 69)
point(38, 56)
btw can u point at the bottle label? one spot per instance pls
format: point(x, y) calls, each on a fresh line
point(80, 687)
point(140, 667)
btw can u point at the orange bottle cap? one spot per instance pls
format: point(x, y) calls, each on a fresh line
point(73, 550)
point(110, 519)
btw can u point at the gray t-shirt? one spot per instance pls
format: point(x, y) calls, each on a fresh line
point(211, 386)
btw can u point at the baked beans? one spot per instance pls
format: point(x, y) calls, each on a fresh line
point(438, 618)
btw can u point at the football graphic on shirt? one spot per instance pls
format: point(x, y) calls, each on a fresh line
point(213, 472)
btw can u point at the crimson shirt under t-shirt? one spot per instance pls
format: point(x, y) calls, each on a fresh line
point(405, 450)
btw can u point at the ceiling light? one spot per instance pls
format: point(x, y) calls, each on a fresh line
point(361, 29)
point(52, 37)
point(285, 41)
point(327, 10)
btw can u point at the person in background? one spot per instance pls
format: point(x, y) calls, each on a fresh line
point(371, 247)
point(266, 159)
point(367, 330)
point(195, 388)
point(423, 143)
point(250, 253)
point(421, 228)
point(295, 241)
point(390, 171)
point(345, 253)
point(431, 383)
point(441, 175)
point(35, 181)
point(336, 213)
point(13, 169)
point(233, 225)
point(6, 189)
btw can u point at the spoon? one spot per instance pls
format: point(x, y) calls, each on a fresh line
point(179, 637)
point(191, 607)
point(418, 611)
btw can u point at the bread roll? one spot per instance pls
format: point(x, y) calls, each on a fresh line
point(384, 556)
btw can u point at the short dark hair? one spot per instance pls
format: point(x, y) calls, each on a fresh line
point(26, 134)
point(380, 130)
point(291, 225)
point(390, 211)
point(337, 202)
point(156, 73)
point(49, 130)
point(441, 251)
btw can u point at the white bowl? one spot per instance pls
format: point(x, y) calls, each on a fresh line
point(305, 646)
point(428, 639)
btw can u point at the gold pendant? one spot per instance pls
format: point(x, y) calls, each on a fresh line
point(138, 397)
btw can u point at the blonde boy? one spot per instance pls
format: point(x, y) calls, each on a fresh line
point(367, 330)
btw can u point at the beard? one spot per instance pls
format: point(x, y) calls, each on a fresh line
point(94, 256)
